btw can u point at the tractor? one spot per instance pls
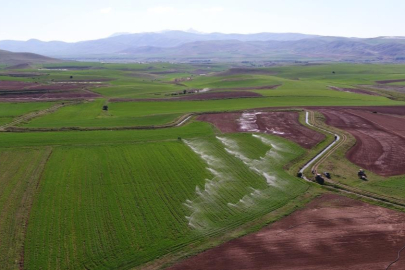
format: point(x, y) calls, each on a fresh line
point(362, 175)
point(319, 179)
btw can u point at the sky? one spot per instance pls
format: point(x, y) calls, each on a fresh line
point(77, 20)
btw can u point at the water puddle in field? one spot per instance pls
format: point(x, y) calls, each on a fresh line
point(248, 122)
point(213, 200)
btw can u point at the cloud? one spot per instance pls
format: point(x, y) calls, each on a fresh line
point(214, 9)
point(161, 10)
point(105, 10)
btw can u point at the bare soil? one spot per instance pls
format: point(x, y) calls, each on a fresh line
point(283, 124)
point(390, 81)
point(380, 137)
point(394, 110)
point(389, 87)
point(24, 91)
point(356, 91)
point(332, 232)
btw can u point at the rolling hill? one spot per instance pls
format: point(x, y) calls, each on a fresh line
point(14, 59)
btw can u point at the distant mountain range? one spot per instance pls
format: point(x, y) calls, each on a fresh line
point(180, 45)
point(16, 59)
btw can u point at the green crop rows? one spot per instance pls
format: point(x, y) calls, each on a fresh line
point(121, 206)
point(19, 176)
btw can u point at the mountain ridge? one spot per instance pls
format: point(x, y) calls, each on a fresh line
point(180, 45)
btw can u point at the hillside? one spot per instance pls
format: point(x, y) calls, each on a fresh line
point(121, 42)
point(319, 48)
point(11, 58)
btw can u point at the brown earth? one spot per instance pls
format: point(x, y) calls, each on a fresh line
point(20, 66)
point(395, 110)
point(390, 81)
point(380, 138)
point(356, 91)
point(203, 96)
point(44, 95)
point(15, 85)
point(18, 91)
point(332, 232)
point(283, 124)
point(388, 87)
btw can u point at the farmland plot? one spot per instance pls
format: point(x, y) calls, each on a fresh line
point(112, 207)
point(8, 111)
point(116, 207)
point(19, 175)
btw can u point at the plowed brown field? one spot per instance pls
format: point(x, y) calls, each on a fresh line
point(332, 232)
point(356, 91)
point(283, 124)
point(380, 138)
point(16, 91)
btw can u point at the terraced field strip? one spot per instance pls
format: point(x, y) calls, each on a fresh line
point(179, 121)
point(32, 115)
point(20, 173)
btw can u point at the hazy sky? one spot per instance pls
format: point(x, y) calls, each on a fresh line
point(74, 20)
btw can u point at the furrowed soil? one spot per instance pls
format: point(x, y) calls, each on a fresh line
point(390, 81)
point(283, 124)
point(22, 91)
point(332, 232)
point(380, 137)
point(356, 91)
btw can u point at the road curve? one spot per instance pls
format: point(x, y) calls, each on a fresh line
point(326, 149)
